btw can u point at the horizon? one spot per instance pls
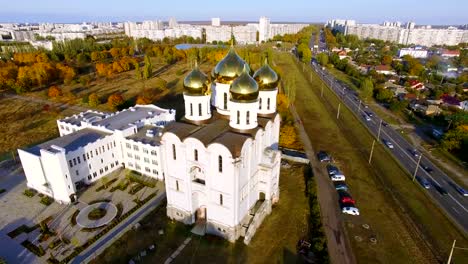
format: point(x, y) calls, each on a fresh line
point(363, 11)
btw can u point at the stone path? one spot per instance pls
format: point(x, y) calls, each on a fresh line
point(178, 250)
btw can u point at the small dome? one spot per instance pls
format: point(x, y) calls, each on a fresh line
point(244, 88)
point(196, 82)
point(229, 68)
point(266, 77)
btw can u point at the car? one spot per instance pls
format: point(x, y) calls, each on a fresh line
point(367, 118)
point(426, 168)
point(440, 189)
point(424, 182)
point(388, 144)
point(369, 114)
point(341, 186)
point(345, 198)
point(384, 124)
point(332, 169)
point(323, 156)
point(461, 191)
point(338, 177)
point(350, 210)
point(366, 106)
point(415, 153)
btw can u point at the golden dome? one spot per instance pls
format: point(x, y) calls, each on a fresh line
point(244, 88)
point(196, 82)
point(266, 77)
point(229, 68)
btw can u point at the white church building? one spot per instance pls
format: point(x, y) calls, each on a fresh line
point(220, 163)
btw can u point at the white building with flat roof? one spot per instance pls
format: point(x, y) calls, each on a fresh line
point(216, 22)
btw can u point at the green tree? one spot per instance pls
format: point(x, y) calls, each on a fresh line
point(367, 89)
point(148, 68)
point(455, 138)
point(384, 95)
point(387, 60)
point(322, 58)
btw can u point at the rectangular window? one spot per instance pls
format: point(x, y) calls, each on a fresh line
point(154, 162)
point(225, 100)
point(101, 171)
point(146, 160)
point(77, 172)
point(94, 174)
point(70, 163)
point(128, 145)
point(145, 151)
point(238, 117)
point(153, 152)
point(268, 104)
point(137, 167)
point(195, 154)
point(114, 144)
point(87, 155)
point(112, 165)
point(91, 154)
point(220, 163)
point(89, 166)
point(106, 168)
point(130, 155)
point(108, 148)
point(199, 110)
point(89, 177)
point(260, 103)
point(74, 161)
point(221, 199)
point(135, 147)
point(116, 162)
point(155, 172)
point(137, 157)
point(177, 185)
point(84, 156)
point(147, 169)
point(130, 164)
point(97, 152)
point(174, 154)
point(247, 117)
point(79, 160)
point(191, 109)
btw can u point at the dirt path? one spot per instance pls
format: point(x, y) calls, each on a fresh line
point(339, 247)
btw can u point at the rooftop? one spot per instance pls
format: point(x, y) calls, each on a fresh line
point(71, 141)
point(88, 116)
point(147, 135)
point(122, 119)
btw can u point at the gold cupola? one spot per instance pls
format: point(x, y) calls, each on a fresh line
point(229, 68)
point(266, 78)
point(196, 83)
point(244, 88)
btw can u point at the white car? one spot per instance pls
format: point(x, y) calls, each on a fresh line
point(367, 118)
point(350, 210)
point(389, 144)
point(337, 177)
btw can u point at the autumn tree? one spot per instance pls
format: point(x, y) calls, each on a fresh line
point(114, 101)
point(387, 59)
point(148, 68)
point(54, 92)
point(367, 89)
point(143, 100)
point(93, 100)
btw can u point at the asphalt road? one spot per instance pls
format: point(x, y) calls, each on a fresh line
point(454, 204)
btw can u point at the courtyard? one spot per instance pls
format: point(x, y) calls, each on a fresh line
point(31, 220)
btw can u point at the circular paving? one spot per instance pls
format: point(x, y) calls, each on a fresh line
point(83, 220)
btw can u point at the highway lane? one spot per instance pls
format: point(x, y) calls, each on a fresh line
point(453, 203)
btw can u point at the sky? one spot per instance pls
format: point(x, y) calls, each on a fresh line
point(435, 12)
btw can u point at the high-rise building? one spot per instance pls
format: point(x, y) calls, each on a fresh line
point(264, 29)
point(172, 22)
point(216, 22)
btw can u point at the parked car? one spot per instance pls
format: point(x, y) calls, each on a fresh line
point(367, 118)
point(427, 168)
point(350, 210)
point(440, 189)
point(323, 156)
point(388, 143)
point(332, 169)
point(345, 198)
point(341, 186)
point(369, 113)
point(424, 182)
point(338, 177)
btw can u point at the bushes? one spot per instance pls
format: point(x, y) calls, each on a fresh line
point(46, 200)
point(122, 185)
point(97, 213)
point(105, 184)
point(73, 217)
point(36, 250)
point(136, 188)
point(133, 177)
point(22, 229)
point(29, 192)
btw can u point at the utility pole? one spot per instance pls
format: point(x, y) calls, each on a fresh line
point(338, 114)
point(451, 252)
point(417, 166)
point(372, 151)
point(359, 107)
point(380, 127)
point(321, 94)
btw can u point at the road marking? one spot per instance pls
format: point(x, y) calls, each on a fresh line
point(458, 203)
point(455, 210)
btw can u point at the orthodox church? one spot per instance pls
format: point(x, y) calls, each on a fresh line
point(221, 161)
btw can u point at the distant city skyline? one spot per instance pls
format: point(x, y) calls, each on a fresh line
point(433, 12)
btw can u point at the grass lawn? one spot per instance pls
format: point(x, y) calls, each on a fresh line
point(393, 206)
point(25, 124)
point(274, 241)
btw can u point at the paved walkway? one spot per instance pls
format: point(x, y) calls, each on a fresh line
point(338, 244)
point(83, 220)
point(178, 250)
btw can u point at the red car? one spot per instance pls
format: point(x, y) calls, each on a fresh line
point(347, 200)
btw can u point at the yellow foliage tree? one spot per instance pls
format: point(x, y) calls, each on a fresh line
point(114, 101)
point(54, 92)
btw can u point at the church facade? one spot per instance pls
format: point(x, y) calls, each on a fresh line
point(221, 161)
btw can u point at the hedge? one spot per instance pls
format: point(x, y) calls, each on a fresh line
point(46, 200)
point(29, 192)
point(36, 250)
point(22, 229)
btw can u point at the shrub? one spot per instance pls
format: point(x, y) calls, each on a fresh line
point(97, 213)
point(133, 177)
point(46, 200)
point(73, 217)
point(136, 188)
point(2, 191)
point(29, 192)
point(36, 250)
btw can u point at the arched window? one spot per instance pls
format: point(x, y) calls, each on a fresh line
point(268, 104)
point(247, 117)
point(195, 155)
point(221, 199)
point(238, 117)
point(191, 109)
point(199, 110)
point(225, 100)
point(174, 154)
point(220, 163)
point(260, 103)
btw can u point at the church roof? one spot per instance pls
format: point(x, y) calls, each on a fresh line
point(217, 130)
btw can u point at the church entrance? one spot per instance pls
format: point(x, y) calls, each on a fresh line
point(200, 215)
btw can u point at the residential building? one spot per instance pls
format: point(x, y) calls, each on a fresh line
point(413, 52)
point(216, 22)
